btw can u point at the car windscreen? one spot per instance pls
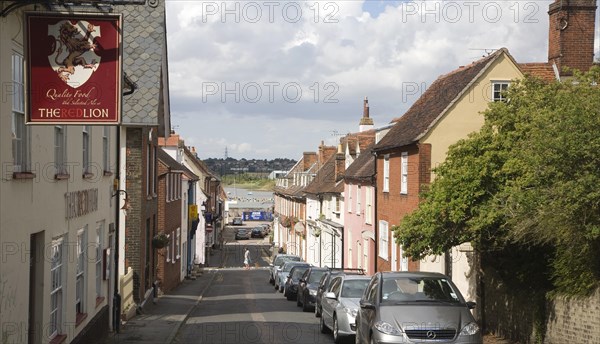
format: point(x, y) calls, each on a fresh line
point(280, 260)
point(315, 276)
point(298, 272)
point(418, 289)
point(354, 288)
point(288, 267)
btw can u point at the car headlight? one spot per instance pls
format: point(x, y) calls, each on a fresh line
point(312, 292)
point(470, 329)
point(351, 311)
point(387, 328)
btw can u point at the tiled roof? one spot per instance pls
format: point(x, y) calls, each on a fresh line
point(144, 40)
point(425, 112)
point(542, 70)
point(324, 181)
point(168, 161)
point(363, 167)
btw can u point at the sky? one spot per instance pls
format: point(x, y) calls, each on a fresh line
point(273, 79)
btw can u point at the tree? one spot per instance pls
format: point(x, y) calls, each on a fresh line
point(529, 177)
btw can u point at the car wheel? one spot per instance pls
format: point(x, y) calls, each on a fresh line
point(322, 326)
point(336, 334)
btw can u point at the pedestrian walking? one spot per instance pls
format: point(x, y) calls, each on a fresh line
point(246, 258)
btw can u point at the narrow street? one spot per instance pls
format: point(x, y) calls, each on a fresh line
point(240, 306)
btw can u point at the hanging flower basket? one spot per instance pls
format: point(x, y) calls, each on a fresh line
point(288, 221)
point(160, 240)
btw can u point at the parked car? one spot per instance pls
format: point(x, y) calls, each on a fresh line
point(242, 233)
point(237, 221)
point(265, 229)
point(284, 272)
point(324, 284)
point(290, 288)
point(340, 305)
point(278, 261)
point(412, 307)
point(307, 288)
point(257, 232)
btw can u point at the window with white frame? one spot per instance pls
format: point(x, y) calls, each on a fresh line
point(80, 284)
point(154, 175)
point(86, 149)
point(98, 259)
point(149, 170)
point(168, 253)
point(499, 89)
point(358, 195)
point(383, 239)
point(60, 149)
point(177, 244)
point(56, 289)
point(404, 173)
point(19, 131)
point(368, 206)
point(106, 148)
point(386, 173)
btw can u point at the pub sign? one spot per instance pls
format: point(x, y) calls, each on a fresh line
point(73, 68)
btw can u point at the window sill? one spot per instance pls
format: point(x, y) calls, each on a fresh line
point(99, 300)
point(107, 173)
point(79, 318)
point(87, 175)
point(59, 338)
point(23, 175)
point(62, 176)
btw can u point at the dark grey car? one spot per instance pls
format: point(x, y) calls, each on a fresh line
point(415, 307)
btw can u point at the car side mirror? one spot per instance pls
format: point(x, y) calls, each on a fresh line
point(471, 304)
point(330, 295)
point(366, 305)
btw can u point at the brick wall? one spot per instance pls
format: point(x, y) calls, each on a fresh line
point(571, 34)
point(169, 219)
point(574, 320)
point(393, 206)
point(142, 211)
point(509, 312)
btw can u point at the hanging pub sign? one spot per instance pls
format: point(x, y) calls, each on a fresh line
point(73, 68)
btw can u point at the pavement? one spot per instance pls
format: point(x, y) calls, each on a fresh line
point(160, 321)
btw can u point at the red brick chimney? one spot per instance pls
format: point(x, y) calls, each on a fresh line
point(366, 122)
point(571, 35)
point(309, 158)
point(325, 152)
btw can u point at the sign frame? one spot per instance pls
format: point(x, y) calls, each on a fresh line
point(81, 81)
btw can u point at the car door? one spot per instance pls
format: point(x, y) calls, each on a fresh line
point(367, 315)
point(328, 304)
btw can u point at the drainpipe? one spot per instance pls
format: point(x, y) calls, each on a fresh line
point(375, 222)
point(117, 296)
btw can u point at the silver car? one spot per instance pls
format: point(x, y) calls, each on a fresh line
point(275, 267)
point(415, 307)
point(340, 305)
point(282, 274)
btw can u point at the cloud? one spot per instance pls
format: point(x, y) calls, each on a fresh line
point(242, 73)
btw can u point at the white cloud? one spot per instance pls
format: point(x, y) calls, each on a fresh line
point(335, 52)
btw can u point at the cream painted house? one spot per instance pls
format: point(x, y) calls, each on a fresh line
point(57, 215)
point(449, 110)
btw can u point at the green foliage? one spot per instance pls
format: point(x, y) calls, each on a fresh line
point(530, 177)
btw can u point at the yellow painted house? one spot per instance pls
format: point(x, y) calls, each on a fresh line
point(449, 110)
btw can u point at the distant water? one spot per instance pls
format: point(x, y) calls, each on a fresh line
point(244, 194)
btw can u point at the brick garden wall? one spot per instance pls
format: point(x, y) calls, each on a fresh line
point(574, 320)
